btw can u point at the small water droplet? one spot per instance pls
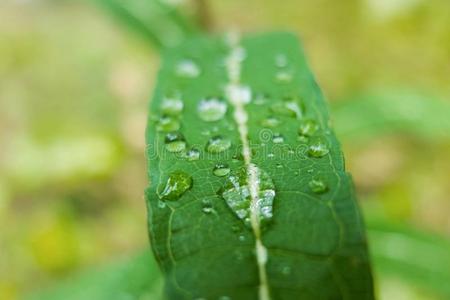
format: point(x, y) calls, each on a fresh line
point(318, 186)
point(307, 128)
point(175, 142)
point(284, 76)
point(270, 122)
point(281, 60)
point(167, 124)
point(211, 109)
point(278, 138)
point(289, 108)
point(188, 69)
point(310, 171)
point(236, 228)
point(242, 238)
point(279, 166)
point(270, 155)
point(286, 270)
point(224, 298)
point(176, 185)
point(318, 148)
point(221, 170)
point(261, 98)
point(193, 154)
point(218, 144)
point(172, 106)
point(236, 193)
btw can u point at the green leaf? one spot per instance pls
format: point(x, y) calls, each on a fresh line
point(249, 197)
point(135, 278)
point(419, 258)
point(157, 21)
point(373, 113)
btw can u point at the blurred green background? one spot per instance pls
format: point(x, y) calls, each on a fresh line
point(75, 79)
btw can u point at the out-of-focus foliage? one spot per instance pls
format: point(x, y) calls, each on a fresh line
point(73, 96)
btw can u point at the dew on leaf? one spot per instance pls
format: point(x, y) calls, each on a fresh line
point(192, 154)
point(176, 185)
point(167, 124)
point(307, 128)
point(218, 144)
point(236, 193)
point(281, 60)
point(318, 148)
point(270, 122)
point(211, 109)
point(172, 106)
point(221, 170)
point(286, 270)
point(318, 186)
point(289, 108)
point(283, 76)
point(187, 69)
point(175, 142)
point(277, 138)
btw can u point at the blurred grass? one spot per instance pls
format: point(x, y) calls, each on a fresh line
point(74, 86)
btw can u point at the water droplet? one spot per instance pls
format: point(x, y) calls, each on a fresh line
point(278, 138)
point(281, 60)
point(242, 238)
point(284, 76)
point(211, 109)
point(193, 154)
point(307, 127)
point(289, 108)
point(188, 69)
point(221, 170)
point(176, 185)
point(218, 144)
point(224, 298)
point(207, 206)
point(236, 193)
point(286, 270)
point(318, 186)
point(236, 228)
point(318, 148)
point(270, 122)
point(260, 98)
point(167, 124)
point(279, 165)
point(270, 155)
point(172, 106)
point(175, 142)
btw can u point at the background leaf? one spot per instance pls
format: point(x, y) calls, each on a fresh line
point(159, 22)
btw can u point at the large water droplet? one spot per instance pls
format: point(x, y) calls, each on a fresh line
point(318, 186)
point(175, 142)
point(211, 109)
point(307, 128)
point(221, 170)
point(167, 124)
point(193, 154)
point(236, 193)
point(188, 69)
point(176, 185)
point(218, 144)
point(172, 106)
point(318, 148)
point(270, 122)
